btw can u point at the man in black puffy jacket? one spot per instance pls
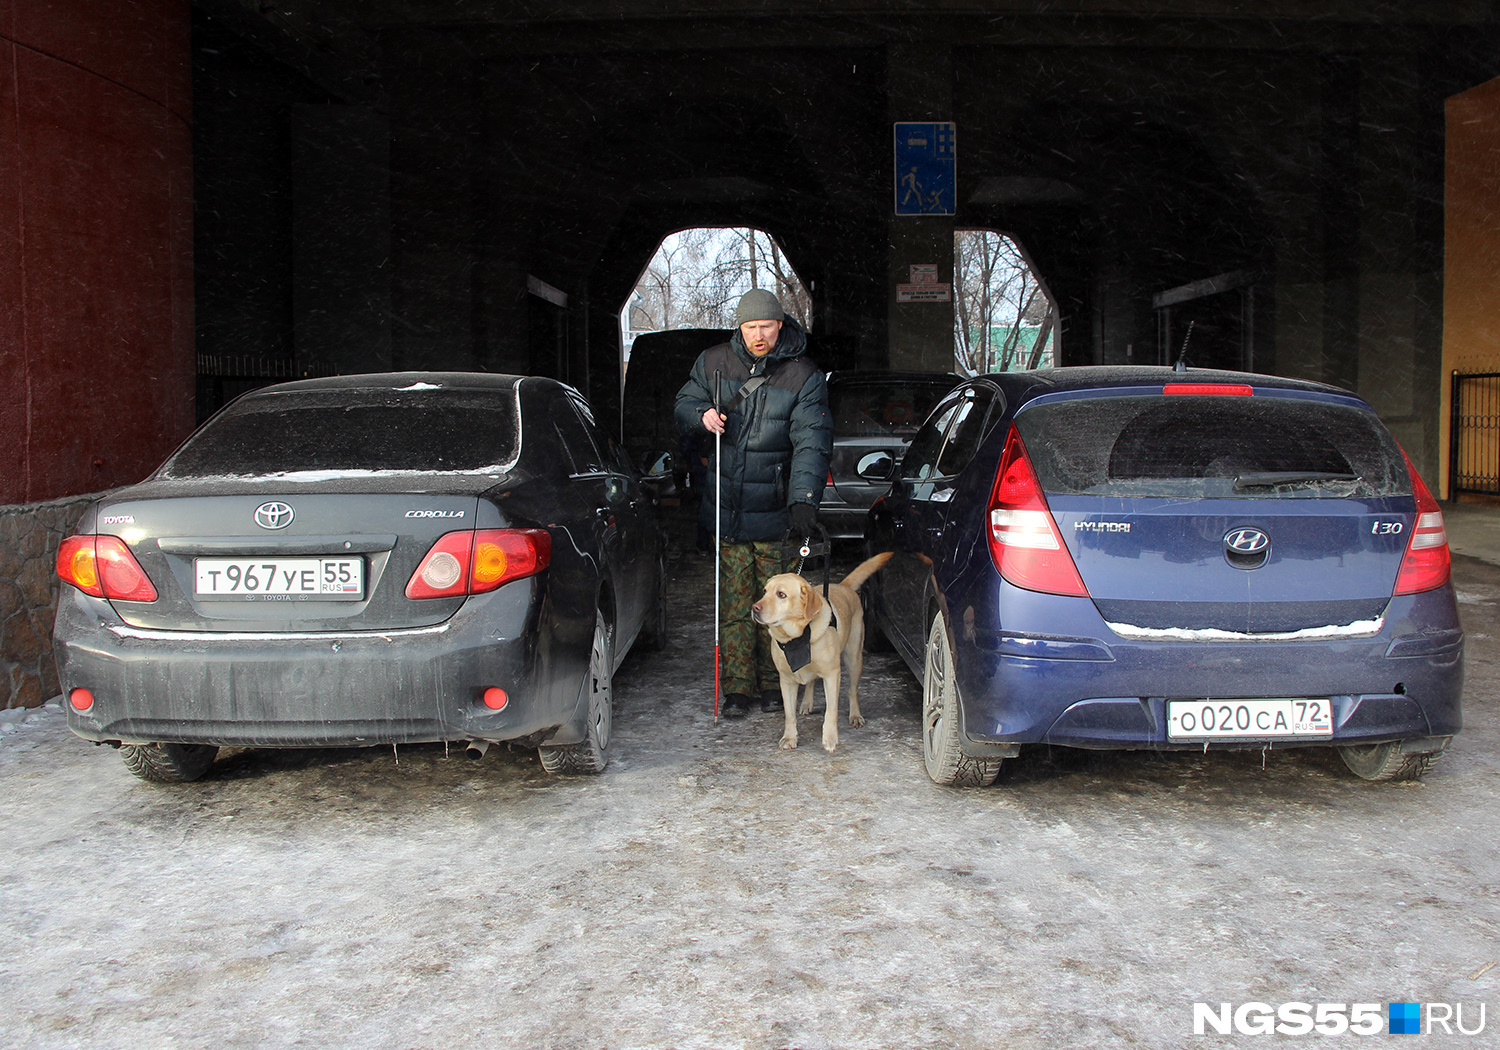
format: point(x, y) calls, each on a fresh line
point(775, 439)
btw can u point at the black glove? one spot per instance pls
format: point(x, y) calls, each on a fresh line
point(804, 520)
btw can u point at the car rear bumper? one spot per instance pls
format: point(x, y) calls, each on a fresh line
point(1093, 688)
point(321, 689)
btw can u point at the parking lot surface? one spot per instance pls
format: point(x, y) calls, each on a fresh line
point(709, 890)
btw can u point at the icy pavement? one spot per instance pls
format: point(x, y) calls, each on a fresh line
point(711, 891)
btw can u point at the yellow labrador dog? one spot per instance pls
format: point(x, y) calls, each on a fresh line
point(810, 635)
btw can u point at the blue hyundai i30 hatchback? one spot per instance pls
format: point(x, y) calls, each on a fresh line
point(1126, 557)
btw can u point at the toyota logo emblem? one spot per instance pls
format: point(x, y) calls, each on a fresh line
point(1246, 541)
point(274, 515)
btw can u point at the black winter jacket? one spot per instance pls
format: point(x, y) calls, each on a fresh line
point(776, 445)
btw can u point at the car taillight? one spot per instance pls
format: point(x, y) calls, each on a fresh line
point(1427, 562)
point(76, 565)
point(1025, 543)
point(475, 562)
point(1230, 389)
point(104, 567)
point(502, 555)
point(444, 572)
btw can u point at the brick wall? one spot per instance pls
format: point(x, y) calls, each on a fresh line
point(96, 242)
point(29, 535)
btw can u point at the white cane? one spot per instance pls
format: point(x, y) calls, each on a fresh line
point(718, 536)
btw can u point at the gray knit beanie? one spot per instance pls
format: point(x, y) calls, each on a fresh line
point(758, 305)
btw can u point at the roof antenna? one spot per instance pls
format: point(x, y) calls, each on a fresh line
point(1181, 365)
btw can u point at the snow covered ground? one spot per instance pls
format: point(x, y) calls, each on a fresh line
point(711, 891)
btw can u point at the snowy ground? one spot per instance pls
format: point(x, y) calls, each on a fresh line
point(711, 891)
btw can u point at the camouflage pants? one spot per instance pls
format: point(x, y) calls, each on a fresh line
point(744, 646)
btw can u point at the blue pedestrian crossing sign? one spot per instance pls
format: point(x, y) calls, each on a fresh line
point(926, 168)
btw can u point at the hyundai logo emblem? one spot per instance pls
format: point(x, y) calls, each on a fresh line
point(274, 515)
point(1246, 541)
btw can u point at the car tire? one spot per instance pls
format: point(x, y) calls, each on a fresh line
point(1386, 762)
point(945, 761)
point(591, 754)
point(168, 763)
point(653, 636)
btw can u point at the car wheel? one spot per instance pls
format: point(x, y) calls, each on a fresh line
point(653, 634)
point(1386, 762)
point(946, 763)
point(168, 763)
point(591, 754)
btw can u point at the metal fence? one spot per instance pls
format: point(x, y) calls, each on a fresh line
point(1474, 434)
point(257, 366)
point(223, 377)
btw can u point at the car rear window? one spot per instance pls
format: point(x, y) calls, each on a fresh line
point(1211, 447)
point(875, 409)
point(421, 428)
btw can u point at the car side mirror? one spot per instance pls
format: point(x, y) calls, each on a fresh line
point(877, 466)
point(658, 464)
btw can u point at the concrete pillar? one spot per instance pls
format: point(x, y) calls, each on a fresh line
point(919, 78)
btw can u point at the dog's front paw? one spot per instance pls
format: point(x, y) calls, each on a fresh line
point(830, 740)
point(856, 720)
point(788, 743)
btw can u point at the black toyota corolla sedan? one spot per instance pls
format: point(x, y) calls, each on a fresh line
point(377, 559)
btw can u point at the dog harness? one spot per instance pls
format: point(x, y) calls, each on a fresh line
point(798, 650)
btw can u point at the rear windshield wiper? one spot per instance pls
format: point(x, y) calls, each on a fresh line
point(1269, 479)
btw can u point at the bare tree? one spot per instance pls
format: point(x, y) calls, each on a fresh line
point(794, 296)
point(654, 305)
point(1002, 316)
point(974, 260)
point(697, 276)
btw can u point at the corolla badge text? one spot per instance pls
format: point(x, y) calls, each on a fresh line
point(274, 515)
point(434, 514)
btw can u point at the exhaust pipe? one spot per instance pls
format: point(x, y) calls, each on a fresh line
point(475, 749)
